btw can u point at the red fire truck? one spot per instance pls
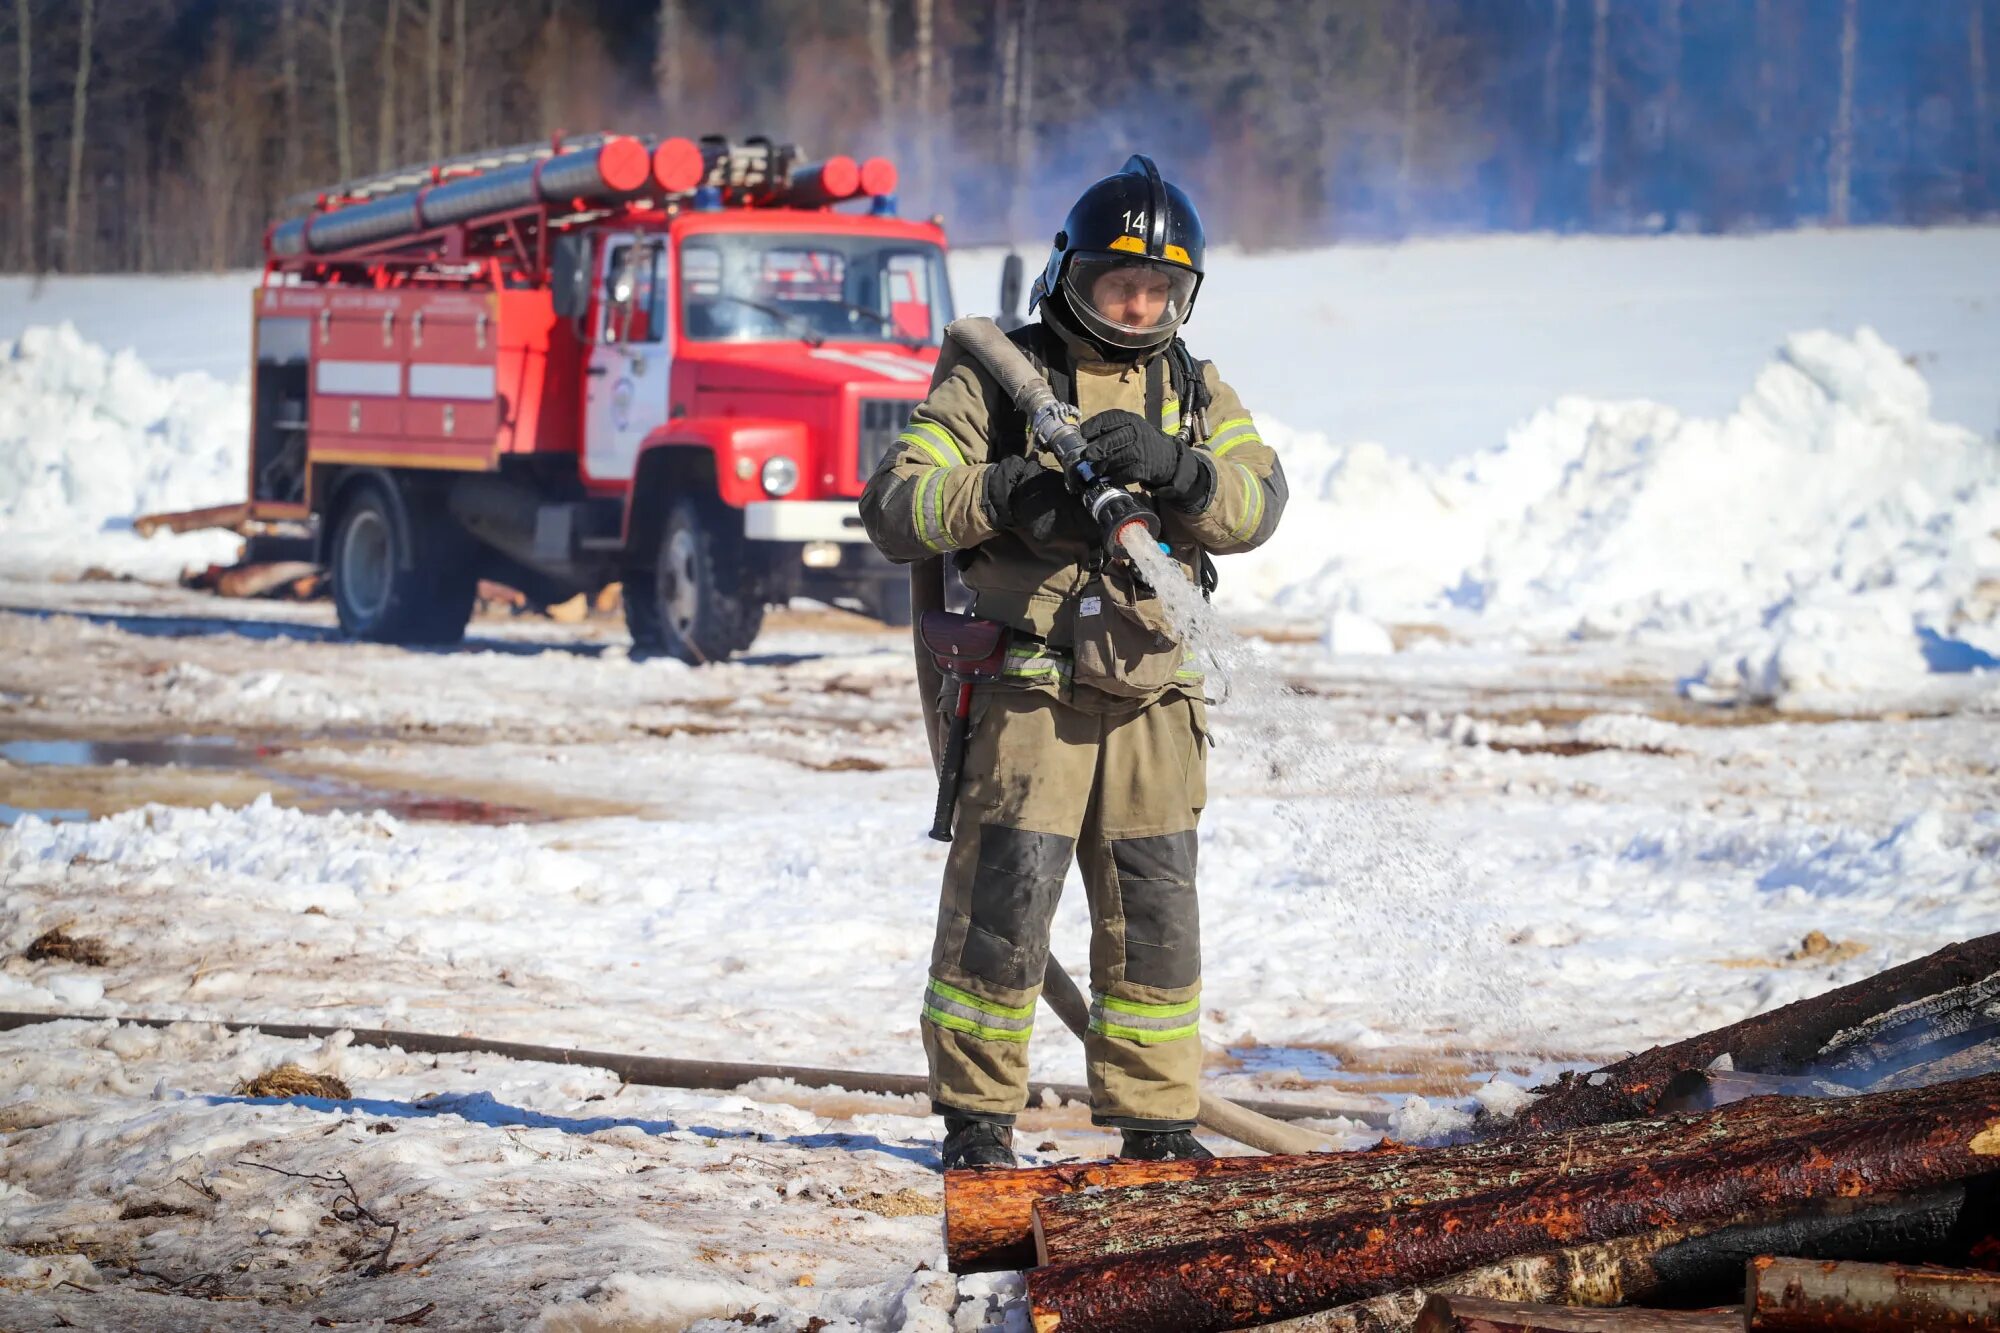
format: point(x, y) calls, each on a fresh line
point(671, 364)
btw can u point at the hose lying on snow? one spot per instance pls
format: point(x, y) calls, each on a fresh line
point(652, 1071)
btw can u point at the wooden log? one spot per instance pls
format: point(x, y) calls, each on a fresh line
point(1444, 1313)
point(989, 1215)
point(1788, 1040)
point(1915, 1140)
point(1693, 1263)
point(1124, 1219)
point(230, 516)
point(256, 580)
point(1788, 1295)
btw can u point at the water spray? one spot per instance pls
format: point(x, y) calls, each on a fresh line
point(1378, 862)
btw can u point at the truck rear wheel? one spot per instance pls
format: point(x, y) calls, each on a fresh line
point(400, 582)
point(693, 602)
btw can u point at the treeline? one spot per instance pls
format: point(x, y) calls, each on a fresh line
point(165, 134)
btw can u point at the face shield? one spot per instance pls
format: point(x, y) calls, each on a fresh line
point(1128, 301)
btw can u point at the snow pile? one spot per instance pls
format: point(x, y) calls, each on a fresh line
point(1829, 532)
point(91, 439)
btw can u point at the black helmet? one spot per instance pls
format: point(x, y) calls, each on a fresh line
point(1127, 261)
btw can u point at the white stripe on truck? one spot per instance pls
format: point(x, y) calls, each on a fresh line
point(430, 381)
point(368, 379)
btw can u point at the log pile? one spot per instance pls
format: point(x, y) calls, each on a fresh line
point(1861, 1126)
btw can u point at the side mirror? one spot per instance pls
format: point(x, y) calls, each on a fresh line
point(1009, 317)
point(569, 276)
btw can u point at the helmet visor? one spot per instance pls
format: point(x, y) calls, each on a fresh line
point(1129, 301)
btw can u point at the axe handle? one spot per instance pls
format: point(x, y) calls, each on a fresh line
point(953, 765)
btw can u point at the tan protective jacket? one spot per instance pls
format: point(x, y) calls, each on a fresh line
point(926, 497)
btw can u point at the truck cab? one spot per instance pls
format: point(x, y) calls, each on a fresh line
point(746, 373)
point(669, 365)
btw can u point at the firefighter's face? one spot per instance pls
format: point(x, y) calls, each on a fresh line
point(1134, 295)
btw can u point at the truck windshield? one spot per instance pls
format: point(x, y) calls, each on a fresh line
point(751, 287)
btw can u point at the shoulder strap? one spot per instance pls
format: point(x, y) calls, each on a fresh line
point(1156, 391)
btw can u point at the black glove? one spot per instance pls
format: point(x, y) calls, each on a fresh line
point(1127, 451)
point(1035, 501)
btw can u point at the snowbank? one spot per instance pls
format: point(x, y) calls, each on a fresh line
point(90, 439)
point(1828, 534)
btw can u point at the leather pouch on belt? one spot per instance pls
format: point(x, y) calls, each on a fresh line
point(1124, 645)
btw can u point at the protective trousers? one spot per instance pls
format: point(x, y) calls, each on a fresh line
point(1120, 791)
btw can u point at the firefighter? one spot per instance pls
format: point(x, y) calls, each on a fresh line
point(1092, 746)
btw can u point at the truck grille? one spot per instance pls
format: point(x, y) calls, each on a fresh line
point(882, 420)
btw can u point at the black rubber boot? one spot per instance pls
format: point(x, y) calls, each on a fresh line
point(1170, 1145)
point(976, 1143)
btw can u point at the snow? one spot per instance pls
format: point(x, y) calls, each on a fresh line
point(1502, 666)
point(90, 440)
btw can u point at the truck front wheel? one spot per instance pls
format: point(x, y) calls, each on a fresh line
point(694, 602)
point(410, 582)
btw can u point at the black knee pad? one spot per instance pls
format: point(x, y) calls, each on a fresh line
point(1162, 918)
point(1014, 894)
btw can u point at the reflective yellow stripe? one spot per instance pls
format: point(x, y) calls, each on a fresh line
point(930, 512)
point(1235, 431)
point(1148, 1024)
point(966, 997)
point(1146, 1036)
point(1139, 1010)
point(970, 1028)
point(934, 440)
point(1256, 514)
point(917, 507)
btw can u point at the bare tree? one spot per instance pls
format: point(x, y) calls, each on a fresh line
point(343, 114)
point(288, 67)
point(881, 66)
point(1024, 119)
point(1409, 100)
point(25, 111)
point(1840, 163)
point(1982, 114)
point(434, 76)
point(1600, 78)
point(385, 104)
point(1552, 76)
point(926, 42)
point(458, 73)
point(553, 69)
point(669, 59)
point(73, 258)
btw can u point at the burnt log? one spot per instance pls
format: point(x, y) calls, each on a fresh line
point(1690, 1264)
point(1788, 1295)
point(1877, 1025)
point(1983, 1058)
point(989, 1215)
point(1917, 1140)
point(1475, 1314)
point(1111, 1220)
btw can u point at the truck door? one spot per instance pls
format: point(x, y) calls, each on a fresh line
point(625, 395)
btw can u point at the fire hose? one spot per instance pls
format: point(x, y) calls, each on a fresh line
point(652, 1071)
point(1054, 425)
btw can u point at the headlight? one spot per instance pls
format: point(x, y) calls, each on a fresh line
point(780, 475)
